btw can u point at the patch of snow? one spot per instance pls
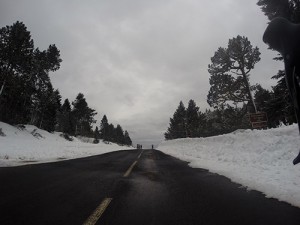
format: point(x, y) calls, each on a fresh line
point(28, 144)
point(86, 139)
point(258, 159)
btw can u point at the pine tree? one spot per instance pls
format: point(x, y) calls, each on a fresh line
point(261, 96)
point(48, 120)
point(83, 116)
point(279, 107)
point(230, 71)
point(45, 104)
point(96, 135)
point(127, 138)
point(24, 74)
point(201, 124)
point(104, 132)
point(64, 119)
point(120, 139)
point(192, 119)
point(289, 9)
point(16, 53)
point(111, 133)
point(177, 126)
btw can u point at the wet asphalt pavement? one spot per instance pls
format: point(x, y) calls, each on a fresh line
point(143, 187)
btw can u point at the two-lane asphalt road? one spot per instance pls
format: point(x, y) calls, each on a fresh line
point(132, 187)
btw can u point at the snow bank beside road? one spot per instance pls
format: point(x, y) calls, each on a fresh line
point(257, 159)
point(31, 145)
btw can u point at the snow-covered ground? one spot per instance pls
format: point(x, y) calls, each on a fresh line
point(32, 145)
point(258, 159)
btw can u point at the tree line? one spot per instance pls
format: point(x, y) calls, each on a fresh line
point(191, 122)
point(77, 119)
point(231, 95)
point(109, 133)
point(28, 97)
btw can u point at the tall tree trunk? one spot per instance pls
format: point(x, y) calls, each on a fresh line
point(249, 90)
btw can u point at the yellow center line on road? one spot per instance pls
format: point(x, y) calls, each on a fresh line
point(95, 216)
point(130, 169)
point(98, 212)
point(140, 154)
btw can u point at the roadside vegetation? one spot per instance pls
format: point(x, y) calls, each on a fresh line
point(27, 95)
point(231, 96)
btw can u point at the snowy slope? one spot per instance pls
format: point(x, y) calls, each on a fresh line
point(19, 146)
point(257, 159)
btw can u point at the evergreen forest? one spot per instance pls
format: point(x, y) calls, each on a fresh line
point(28, 97)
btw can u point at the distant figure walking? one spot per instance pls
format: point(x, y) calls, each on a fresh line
point(284, 36)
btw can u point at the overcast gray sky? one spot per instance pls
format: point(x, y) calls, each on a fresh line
point(134, 60)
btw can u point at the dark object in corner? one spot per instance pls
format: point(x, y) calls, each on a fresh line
point(284, 36)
